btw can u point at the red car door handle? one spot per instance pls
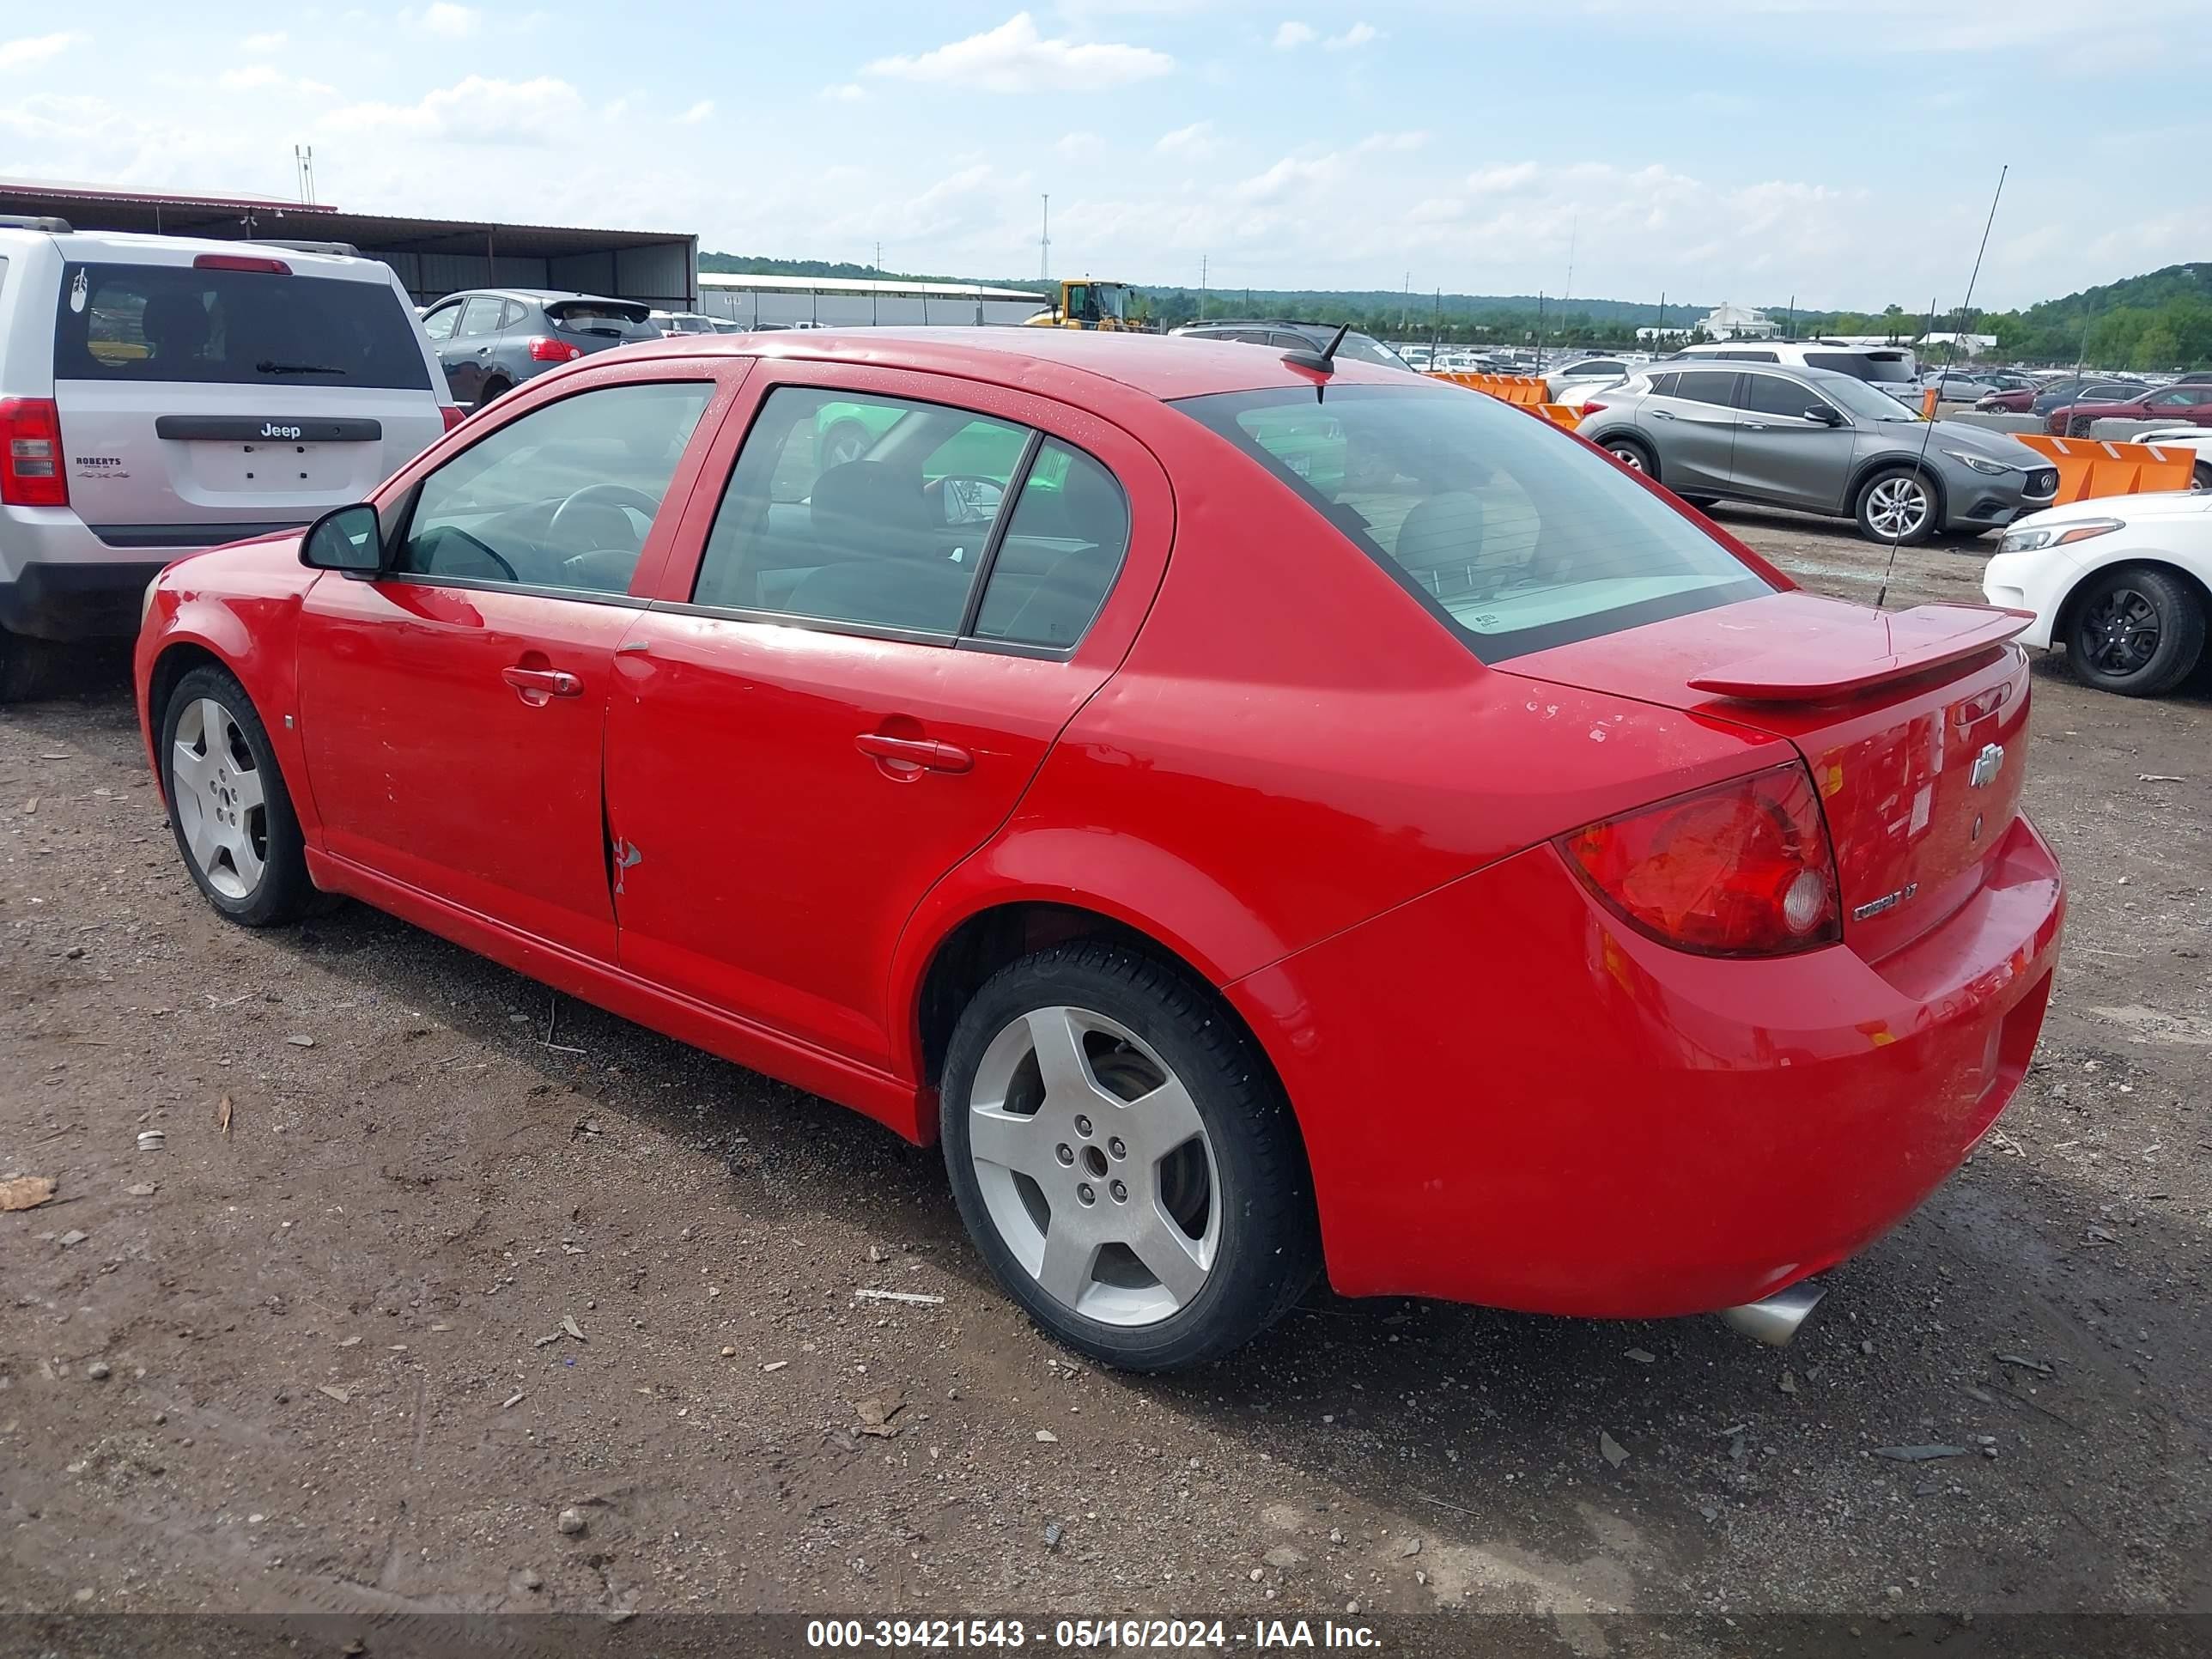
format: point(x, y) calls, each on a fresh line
point(924, 752)
point(545, 681)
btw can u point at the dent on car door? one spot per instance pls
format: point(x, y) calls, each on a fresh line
point(452, 708)
point(847, 691)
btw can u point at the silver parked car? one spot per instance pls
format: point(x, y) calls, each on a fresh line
point(1820, 442)
point(491, 340)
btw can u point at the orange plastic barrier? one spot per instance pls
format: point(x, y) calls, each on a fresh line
point(1569, 415)
point(2090, 467)
point(1526, 390)
point(1929, 399)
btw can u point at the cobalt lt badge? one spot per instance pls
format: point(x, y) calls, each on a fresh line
point(1987, 765)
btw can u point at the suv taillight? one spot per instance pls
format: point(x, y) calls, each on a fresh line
point(1743, 869)
point(545, 350)
point(451, 413)
point(1591, 408)
point(32, 472)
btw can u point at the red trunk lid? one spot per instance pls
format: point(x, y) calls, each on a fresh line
point(1914, 724)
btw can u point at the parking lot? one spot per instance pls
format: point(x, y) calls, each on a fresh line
point(446, 1294)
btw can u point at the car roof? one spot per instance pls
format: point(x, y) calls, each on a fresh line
point(182, 249)
point(1157, 365)
point(540, 294)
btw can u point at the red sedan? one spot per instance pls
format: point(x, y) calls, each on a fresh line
point(2180, 403)
point(1258, 813)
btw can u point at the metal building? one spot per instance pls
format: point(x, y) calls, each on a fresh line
point(858, 302)
point(433, 257)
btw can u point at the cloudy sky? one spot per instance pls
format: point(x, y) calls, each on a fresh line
point(1842, 150)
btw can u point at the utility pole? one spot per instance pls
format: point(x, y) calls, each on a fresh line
point(1789, 328)
point(876, 285)
point(303, 164)
point(1539, 330)
point(1201, 288)
point(1660, 333)
point(1044, 245)
point(1405, 304)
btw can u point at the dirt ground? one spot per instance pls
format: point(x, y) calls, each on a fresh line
point(430, 1256)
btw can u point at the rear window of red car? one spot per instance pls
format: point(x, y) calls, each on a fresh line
point(1516, 539)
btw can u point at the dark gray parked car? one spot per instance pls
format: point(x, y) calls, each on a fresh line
point(489, 340)
point(1820, 442)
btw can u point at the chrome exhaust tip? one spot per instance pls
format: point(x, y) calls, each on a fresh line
point(1775, 1319)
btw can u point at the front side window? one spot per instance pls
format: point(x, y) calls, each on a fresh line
point(212, 326)
point(1516, 539)
point(560, 497)
point(439, 324)
point(1770, 394)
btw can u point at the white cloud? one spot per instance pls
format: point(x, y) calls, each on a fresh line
point(443, 19)
point(1292, 35)
point(1192, 143)
point(1502, 180)
point(475, 111)
point(1080, 143)
point(258, 77)
point(699, 111)
point(1391, 144)
point(35, 49)
point(1291, 175)
point(1352, 38)
point(272, 41)
point(847, 92)
point(1014, 58)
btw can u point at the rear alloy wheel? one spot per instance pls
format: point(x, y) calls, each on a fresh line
point(2135, 632)
point(846, 440)
point(2200, 477)
point(1123, 1161)
point(1897, 506)
point(2079, 426)
point(228, 804)
point(1631, 455)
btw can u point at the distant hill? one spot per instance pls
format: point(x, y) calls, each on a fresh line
point(2161, 320)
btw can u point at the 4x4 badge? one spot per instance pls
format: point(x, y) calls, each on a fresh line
point(1987, 765)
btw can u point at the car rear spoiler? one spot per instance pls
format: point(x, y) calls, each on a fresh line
point(627, 309)
point(1926, 637)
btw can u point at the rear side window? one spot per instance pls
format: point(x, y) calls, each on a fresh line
point(1515, 538)
point(177, 323)
point(1062, 550)
point(1770, 394)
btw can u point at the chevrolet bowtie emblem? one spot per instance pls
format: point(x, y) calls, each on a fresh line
point(1987, 765)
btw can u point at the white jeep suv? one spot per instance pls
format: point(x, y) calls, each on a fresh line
point(160, 394)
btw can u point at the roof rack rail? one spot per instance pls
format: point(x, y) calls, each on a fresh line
point(46, 223)
point(300, 244)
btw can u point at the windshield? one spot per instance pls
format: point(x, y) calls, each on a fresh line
point(1516, 537)
point(1863, 401)
point(1889, 366)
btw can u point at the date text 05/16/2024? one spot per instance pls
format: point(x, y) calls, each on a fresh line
point(1080, 1635)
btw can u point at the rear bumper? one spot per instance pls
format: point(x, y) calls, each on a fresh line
point(1508, 1099)
point(68, 602)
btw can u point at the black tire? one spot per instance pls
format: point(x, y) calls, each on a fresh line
point(1632, 453)
point(493, 389)
point(1269, 1247)
point(2134, 631)
point(1701, 503)
point(2079, 426)
point(2200, 476)
point(1866, 505)
point(281, 892)
point(23, 667)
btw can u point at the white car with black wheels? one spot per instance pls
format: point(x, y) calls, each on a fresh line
point(2197, 438)
point(2123, 582)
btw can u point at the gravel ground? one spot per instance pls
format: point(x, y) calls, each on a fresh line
point(444, 1293)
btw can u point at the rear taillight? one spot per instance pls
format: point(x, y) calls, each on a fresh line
point(1591, 408)
point(31, 473)
point(1741, 870)
point(451, 413)
point(544, 349)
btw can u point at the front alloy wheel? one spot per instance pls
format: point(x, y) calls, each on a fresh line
point(223, 812)
point(1897, 507)
point(2138, 632)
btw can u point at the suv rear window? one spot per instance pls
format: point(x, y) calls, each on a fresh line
point(179, 323)
point(1515, 538)
point(1880, 367)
